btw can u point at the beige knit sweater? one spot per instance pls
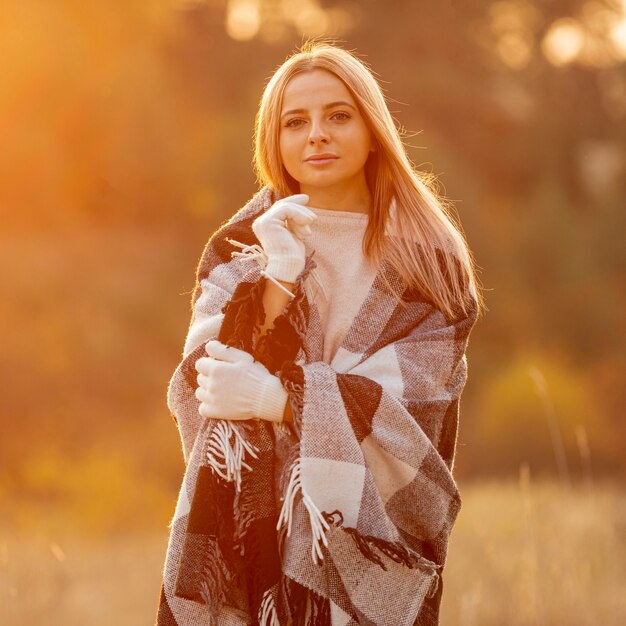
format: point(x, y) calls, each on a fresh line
point(343, 274)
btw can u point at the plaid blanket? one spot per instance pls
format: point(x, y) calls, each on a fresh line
point(343, 516)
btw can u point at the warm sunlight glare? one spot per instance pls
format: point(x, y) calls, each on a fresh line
point(515, 50)
point(243, 19)
point(563, 41)
point(307, 16)
point(512, 24)
point(618, 35)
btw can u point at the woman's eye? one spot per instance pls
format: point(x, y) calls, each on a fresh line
point(342, 116)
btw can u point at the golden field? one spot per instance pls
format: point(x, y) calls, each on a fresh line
point(522, 553)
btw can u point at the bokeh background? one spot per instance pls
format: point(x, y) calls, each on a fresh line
point(126, 139)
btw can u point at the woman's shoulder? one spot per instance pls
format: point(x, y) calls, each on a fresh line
point(259, 202)
point(238, 227)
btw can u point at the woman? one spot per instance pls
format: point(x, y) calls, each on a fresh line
point(318, 394)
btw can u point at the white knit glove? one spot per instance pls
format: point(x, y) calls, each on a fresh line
point(280, 231)
point(233, 386)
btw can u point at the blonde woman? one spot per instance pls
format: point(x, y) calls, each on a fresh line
point(318, 394)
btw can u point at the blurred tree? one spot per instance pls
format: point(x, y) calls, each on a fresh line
point(524, 420)
point(127, 138)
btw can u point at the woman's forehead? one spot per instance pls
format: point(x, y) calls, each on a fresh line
point(314, 88)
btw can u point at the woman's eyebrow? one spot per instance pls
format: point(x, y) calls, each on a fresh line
point(330, 105)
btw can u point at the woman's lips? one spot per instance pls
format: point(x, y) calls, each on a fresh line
point(319, 162)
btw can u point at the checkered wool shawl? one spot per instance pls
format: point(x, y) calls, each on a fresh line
point(342, 517)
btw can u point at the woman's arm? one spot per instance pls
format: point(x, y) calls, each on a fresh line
point(274, 302)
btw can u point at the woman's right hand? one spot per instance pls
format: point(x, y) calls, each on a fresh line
point(280, 231)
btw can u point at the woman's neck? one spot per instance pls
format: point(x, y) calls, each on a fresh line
point(355, 200)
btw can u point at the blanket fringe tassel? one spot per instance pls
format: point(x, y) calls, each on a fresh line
point(398, 553)
point(306, 607)
point(318, 523)
point(226, 450)
point(268, 616)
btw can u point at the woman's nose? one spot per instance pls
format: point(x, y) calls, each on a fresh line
point(318, 132)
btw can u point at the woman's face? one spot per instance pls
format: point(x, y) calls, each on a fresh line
point(320, 116)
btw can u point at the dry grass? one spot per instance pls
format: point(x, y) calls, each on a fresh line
point(520, 554)
point(537, 554)
point(78, 582)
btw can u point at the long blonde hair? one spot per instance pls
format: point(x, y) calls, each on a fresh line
point(441, 266)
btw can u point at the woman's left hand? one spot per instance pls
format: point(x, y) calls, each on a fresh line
point(233, 386)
